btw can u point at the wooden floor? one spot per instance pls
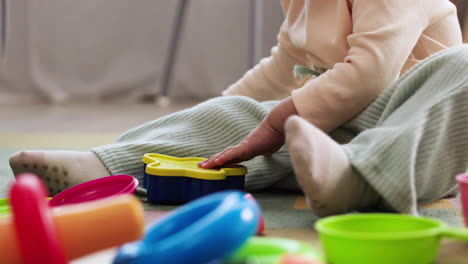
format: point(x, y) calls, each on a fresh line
point(116, 118)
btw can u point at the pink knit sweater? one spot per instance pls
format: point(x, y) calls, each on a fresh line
point(360, 46)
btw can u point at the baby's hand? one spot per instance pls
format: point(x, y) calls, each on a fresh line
point(266, 139)
point(263, 140)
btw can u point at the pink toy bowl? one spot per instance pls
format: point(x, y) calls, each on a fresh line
point(96, 189)
point(463, 183)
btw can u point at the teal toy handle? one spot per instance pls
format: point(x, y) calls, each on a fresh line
point(455, 233)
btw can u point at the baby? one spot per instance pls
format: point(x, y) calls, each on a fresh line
point(399, 149)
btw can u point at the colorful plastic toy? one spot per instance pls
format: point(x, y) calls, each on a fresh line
point(268, 250)
point(96, 189)
point(463, 183)
point(297, 259)
point(31, 233)
point(171, 180)
point(4, 206)
point(206, 229)
point(261, 221)
point(89, 191)
point(35, 229)
point(383, 238)
point(5, 209)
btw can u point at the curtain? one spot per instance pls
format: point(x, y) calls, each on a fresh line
point(103, 50)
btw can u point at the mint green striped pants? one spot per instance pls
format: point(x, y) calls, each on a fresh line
point(408, 144)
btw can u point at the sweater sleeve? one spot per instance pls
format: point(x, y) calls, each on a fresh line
point(272, 78)
point(384, 34)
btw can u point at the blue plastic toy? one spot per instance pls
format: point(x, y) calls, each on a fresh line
point(204, 230)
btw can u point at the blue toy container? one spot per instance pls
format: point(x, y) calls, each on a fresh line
point(171, 180)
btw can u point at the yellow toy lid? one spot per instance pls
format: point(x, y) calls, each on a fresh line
point(163, 165)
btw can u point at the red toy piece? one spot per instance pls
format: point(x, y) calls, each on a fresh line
point(36, 233)
point(261, 222)
point(293, 259)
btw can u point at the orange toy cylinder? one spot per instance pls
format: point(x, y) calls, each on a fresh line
point(84, 228)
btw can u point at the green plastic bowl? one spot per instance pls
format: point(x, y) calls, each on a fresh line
point(4, 207)
point(383, 238)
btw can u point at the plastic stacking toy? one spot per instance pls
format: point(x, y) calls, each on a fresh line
point(383, 238)
point(463, 183)
point(88, 191)
point(4, 207)
point(35, 229)
point(261, 221)
point(36, 233)
point(297, 259)
point(171, 180)
point(268, 250)
point(96, 189)
point(204, 230)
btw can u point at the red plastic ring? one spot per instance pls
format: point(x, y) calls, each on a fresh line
point(35, 229)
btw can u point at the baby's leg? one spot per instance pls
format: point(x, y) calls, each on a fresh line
point(200, 131)
point(324, 172)
point(59, 169)
point(410, 151)
point(420, 140)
